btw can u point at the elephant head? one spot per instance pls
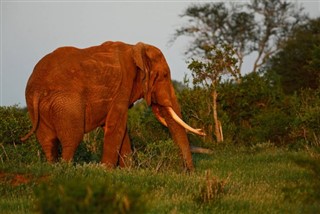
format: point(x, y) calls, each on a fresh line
point(159, 93)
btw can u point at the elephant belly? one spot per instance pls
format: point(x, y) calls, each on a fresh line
point(95, 114)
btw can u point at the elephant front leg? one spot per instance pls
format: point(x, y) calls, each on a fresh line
point(125, 158)
point(114, 134)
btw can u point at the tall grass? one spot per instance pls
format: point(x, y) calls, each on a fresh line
point(261, 178)
point(232, 180)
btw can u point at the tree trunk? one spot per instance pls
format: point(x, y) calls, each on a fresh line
point(209, 137)
point(217, 123)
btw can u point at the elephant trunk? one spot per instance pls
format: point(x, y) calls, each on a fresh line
point(179, 136)
point(172, 117)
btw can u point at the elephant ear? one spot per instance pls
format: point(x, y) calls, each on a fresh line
point(143, 63)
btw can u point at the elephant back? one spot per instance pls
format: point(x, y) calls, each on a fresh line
point(93, 69)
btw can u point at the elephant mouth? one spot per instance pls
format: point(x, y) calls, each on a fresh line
point(176, 118)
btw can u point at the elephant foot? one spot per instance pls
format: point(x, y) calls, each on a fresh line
point(108, 166)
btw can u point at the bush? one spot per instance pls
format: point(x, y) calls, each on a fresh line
point(14, 124)
point(211, 189)
point(90, 149)
point(256, 111)
point(12, 154)
point(87, 194)
point(306, 125)
point(143, 127)
point(160, 156)
point(270, 125)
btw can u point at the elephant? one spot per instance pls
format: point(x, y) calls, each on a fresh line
point(71, 91)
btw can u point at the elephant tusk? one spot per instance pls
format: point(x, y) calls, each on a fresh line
point(162, 121)
point(183, 124)
point(158, 116)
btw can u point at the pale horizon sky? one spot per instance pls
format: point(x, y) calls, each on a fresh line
point(32, 29)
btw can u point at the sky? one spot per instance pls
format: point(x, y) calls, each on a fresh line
point(32, 29)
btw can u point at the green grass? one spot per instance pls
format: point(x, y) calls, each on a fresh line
point(260, 179)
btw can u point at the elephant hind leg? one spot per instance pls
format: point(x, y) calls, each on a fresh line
point(49, 142)
point(69, 122)
point(69, 144)
point(70, 134)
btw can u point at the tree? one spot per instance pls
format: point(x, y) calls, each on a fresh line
point(258, 27)
point(256, 110)
point(219, 61)
point(298, 63)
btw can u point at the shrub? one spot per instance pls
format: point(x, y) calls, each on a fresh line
point(14, 124)
point(211, 189)
point(87, 195)
point(160, 156)
point(12, 154)
point(270, 125)
point(90, 149)
point(306, 125)
point(143, 127)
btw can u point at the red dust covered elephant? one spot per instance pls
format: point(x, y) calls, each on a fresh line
point(72, 91)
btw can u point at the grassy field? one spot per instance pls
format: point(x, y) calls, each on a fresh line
point(257, 179)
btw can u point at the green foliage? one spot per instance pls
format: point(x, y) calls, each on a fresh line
point(270, 125)
point(252, 111)
point(87, 195)
point(298, 62)
point(21, 153)
point(143, 127)
point(196, 109)
point(160, 156)
point(307, 193)
point(255, 179)
point(218, 62)
point(14, 124)
point(90, 149)
point(255, 111)
point(256, 26)
point(211, 189)
point(285, 119)
point(256, 108)
point(306, 125)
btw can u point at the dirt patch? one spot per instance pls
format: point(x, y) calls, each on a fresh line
point(19, 179)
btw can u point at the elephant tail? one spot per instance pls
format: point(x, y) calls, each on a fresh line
point(36, 117)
